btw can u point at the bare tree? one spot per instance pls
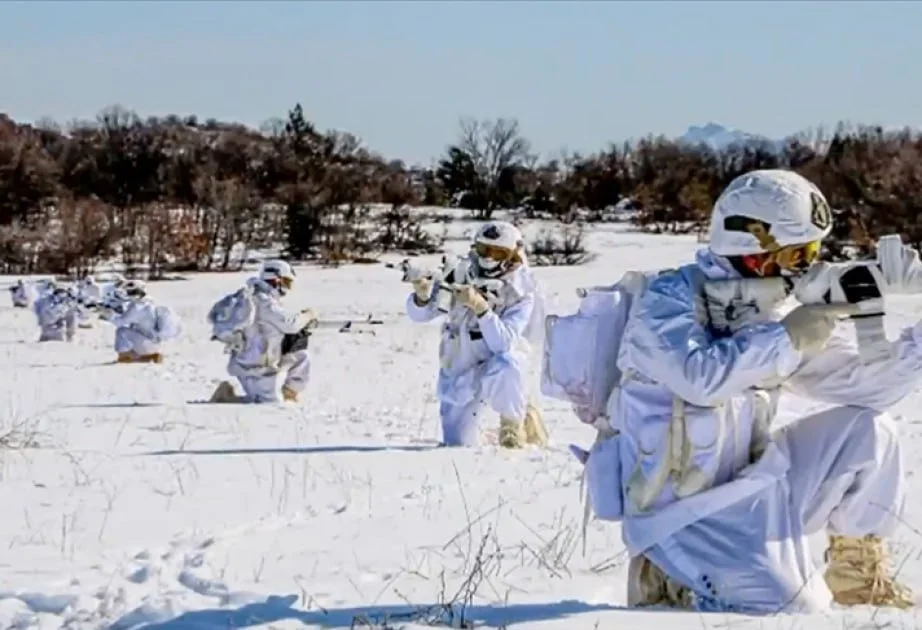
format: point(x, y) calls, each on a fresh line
point(171, 193)
point(496, 149)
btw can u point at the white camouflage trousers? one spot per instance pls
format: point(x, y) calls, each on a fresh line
point(845, 477)
point(54, 333)
point(497, 383)
point(130, 340)
point(265, 385)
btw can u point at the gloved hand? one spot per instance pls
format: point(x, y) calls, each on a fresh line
point(308, 316)
point(809, 326)
point(468, 296)
point(422, 290)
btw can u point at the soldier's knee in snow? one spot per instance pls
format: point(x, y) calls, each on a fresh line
point(503, 370)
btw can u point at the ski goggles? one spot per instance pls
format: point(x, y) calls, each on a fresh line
point(788, 260)
point(493, 252)
point(280, 282)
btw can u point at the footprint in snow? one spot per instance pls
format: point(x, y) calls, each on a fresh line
point(143, 574)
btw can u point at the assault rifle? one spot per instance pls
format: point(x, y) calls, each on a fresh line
point(453, 274)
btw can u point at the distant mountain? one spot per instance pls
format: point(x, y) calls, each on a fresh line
point(718, 137)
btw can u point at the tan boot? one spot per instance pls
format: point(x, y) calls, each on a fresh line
point(859, 574)
point(125, 357)
point(535, 431)
point(289, 394)
point(156, 357)
point(647, 585)
point(511, 433)
point(224, 393)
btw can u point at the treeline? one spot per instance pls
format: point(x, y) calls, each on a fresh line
point(178, 194)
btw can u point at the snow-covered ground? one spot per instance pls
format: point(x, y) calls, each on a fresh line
point(137, 504)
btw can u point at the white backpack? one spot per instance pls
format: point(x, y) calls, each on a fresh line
point(580, 359)
point(166, 324)
point(231, 316)
point(580, 366)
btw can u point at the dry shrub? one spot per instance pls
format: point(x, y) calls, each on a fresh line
point(564, 246)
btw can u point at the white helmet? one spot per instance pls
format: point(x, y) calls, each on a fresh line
point(497, 247)
point(766, 210)
point(279, 274)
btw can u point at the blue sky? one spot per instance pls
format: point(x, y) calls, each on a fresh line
point(399, 74)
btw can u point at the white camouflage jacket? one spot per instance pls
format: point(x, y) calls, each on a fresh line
point(693, 412)
point(262, 349)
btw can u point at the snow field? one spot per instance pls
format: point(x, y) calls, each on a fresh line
point(127, 502)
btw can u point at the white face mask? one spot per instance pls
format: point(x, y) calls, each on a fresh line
point(487, 264)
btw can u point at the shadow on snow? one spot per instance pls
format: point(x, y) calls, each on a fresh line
point(112, 405)
point(278, 608)
point(294, 450)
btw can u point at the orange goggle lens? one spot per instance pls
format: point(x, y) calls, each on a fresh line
point(492, 252)
point(791, 258)
point(284, 283)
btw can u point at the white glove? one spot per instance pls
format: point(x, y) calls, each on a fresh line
point(900, 267)
point(810, 326)
point(422, 289)
point(308, 316)
point(471, 298)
